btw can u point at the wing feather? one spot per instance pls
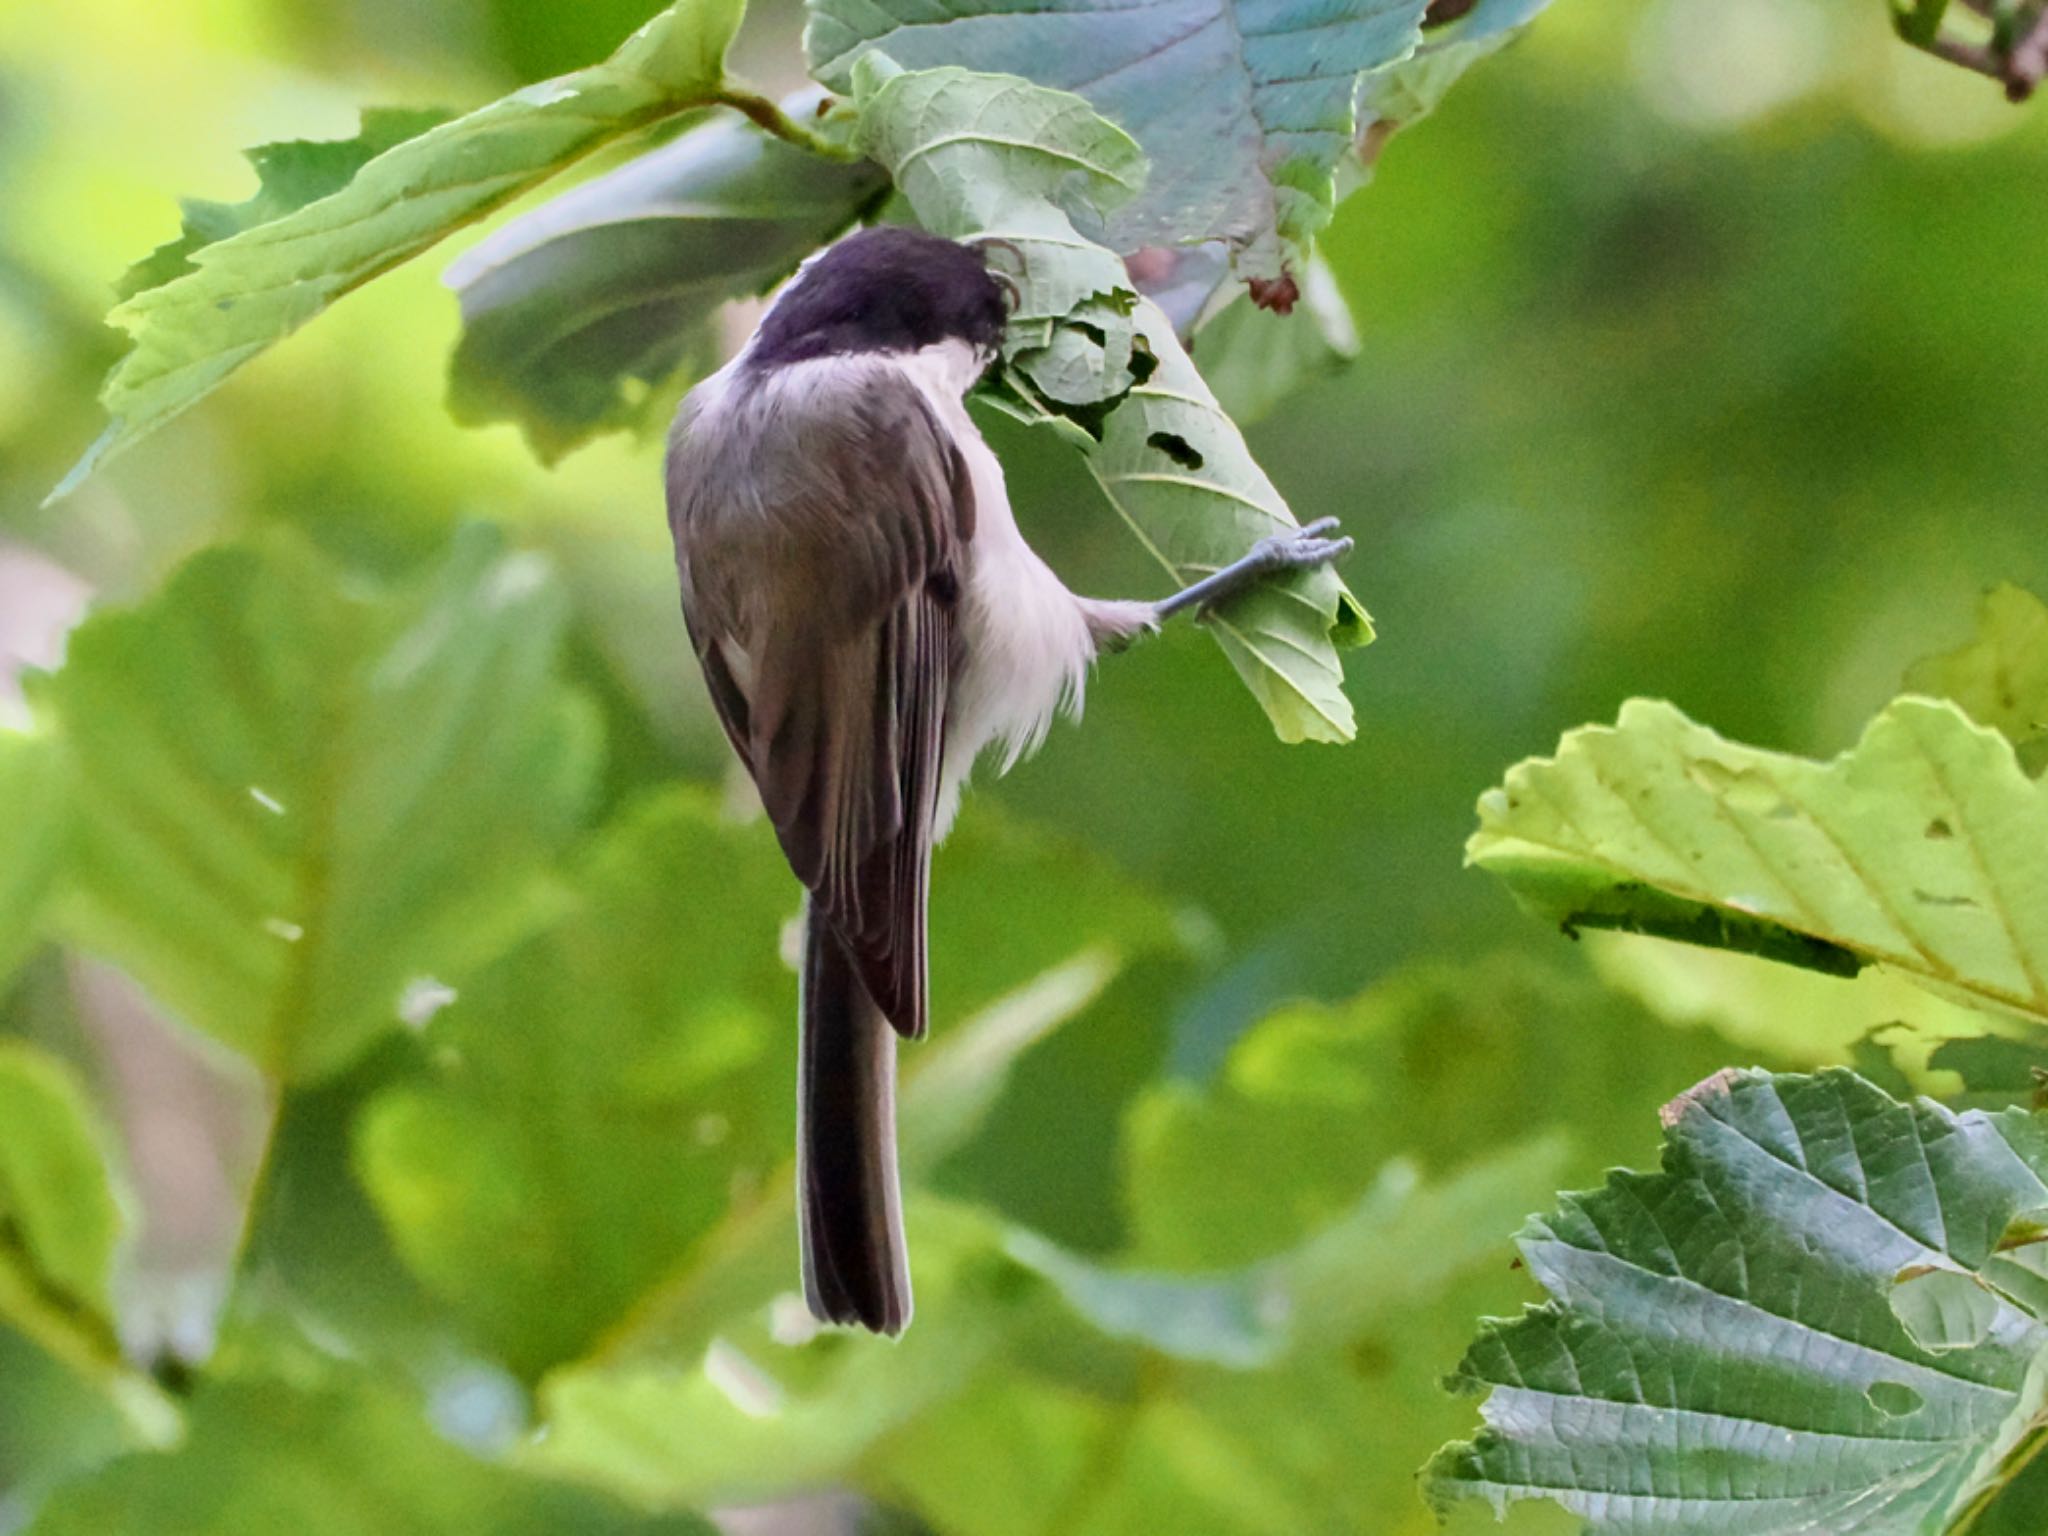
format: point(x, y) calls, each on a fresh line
point(832, 559)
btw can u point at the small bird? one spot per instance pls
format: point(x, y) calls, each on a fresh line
point(869, 620)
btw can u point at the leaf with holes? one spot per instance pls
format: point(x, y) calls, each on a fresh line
point(330, 218)
point(577, 317)
point(1923, 848)
point(296, 803)
point(984, 156)
point(1744, 1342)
point(2001, 677)
point(1244, 107)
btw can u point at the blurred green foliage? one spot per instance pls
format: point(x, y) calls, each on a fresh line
point(1694, 361)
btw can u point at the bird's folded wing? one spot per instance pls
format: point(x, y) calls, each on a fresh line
point(832, 680)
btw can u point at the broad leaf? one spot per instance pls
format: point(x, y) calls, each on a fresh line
point(289, 176)
point(1924, 847)
point(2001, 677)
point(1244, 107)
point(201, 308)
point(320, 1451)
point(298, 807)
point(578, 316)
point(1394, 97)
point(1393, 1248)
point(60, 1218)
point(982, 156)
point(602, 1092)
point(609, 1128)
point(1727, 1345)
point(1436, 1064)
point(63, 1220)
point(771, 1403)
point(34, 820)
point(994, 157)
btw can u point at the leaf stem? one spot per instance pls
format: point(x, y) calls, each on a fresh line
point(770, 117)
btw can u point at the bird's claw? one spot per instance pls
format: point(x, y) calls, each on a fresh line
point(1302, 549)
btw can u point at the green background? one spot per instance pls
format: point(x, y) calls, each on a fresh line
point(1700, 359)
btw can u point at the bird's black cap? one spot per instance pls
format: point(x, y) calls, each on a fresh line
point(886, 289)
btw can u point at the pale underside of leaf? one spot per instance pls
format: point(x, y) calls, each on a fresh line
point(1243, 106)
point(981, 156)
point(2000, 678)
point(1923, 848)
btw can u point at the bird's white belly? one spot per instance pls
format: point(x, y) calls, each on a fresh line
point(1025, 638)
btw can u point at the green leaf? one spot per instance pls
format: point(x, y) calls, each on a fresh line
point(1438, 1064)
point(1244, 107)
point(982, 156)
point(337, 1455)
point(289, 176)
point(772, 1403)
point(1395, 1248)
point(34, 825)
point(599, 1092)
point(1924, 847)
point(61, 1222)
point(264, 280)
point(608, 1129)
point(1721, 1352)
point(299, 805)
point(578, 316)
point(2001, 677)
point(1405, 92)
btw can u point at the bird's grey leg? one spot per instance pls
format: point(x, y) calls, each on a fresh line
point(1115, 625)
point(1300, 549)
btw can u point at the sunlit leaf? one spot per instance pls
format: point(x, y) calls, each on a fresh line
point(602, 1093)
point(297, 806)
point(1400, 1242)
point(334, 1456)
point(578, 316)
point(63, 1222)
point(289, 175)
point(243, 279)
point(1924, 847)
point(652, 1031)
point(60, 1218)
point(1244, 107)
point(772, 1403)
point(2000, 678)
point(1724, 1349)
point(1437, 1064)
point(34, 818)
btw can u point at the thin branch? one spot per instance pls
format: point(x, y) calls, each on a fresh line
point(1969, 55)
point(765, 114)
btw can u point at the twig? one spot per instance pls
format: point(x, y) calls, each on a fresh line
point(1969, 55)
point(765, 114)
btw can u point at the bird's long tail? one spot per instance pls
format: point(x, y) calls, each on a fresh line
point(856, 1269)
